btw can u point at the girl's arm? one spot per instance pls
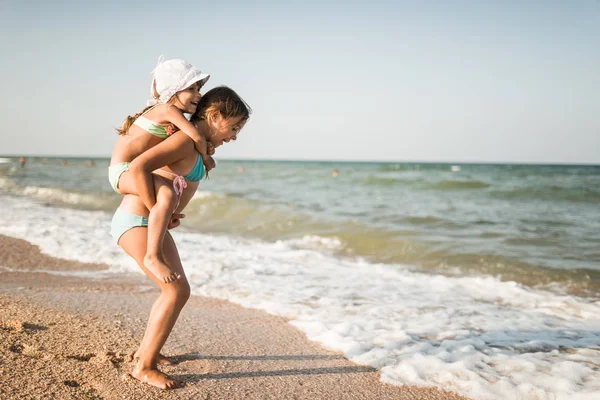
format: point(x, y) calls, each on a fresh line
point(165, 153)
point(175, 117)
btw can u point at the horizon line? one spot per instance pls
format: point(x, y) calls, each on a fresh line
point(545, 163)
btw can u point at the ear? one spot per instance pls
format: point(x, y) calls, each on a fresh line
point(214, 116)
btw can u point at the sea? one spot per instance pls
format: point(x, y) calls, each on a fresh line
point(482, 279)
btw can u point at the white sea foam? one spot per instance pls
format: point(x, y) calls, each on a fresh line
point(81, 274)
point(478, 336)
point(50, 193)
point(314, 242)
point(203, 195)
point(65, 233)
point(63, 196)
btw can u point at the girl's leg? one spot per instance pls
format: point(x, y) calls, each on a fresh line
point(159, 327)
point(158, 220)
point(164, 312)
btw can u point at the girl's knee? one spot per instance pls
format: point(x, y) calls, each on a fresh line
point(184, 291)
point(183, 295)
point(165, 193)
point(178, 292)
point(167, 197)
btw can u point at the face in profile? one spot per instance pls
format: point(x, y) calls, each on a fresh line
point(225, 129)
point(188, 99)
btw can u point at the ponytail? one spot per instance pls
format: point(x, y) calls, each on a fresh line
point(129, 121)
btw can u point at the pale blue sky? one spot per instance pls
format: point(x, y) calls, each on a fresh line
point(460, 81)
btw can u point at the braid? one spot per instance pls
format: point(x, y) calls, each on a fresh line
point(129, 121)
point(172, 127)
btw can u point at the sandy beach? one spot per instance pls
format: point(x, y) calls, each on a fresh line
point(65, 336)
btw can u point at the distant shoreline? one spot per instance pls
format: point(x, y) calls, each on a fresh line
point(337, 162)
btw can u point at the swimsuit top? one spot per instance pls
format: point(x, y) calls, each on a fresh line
point(160, 131)
point(151, 127)
point(197, 172)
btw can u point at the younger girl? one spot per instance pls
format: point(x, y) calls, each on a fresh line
point(176, 90)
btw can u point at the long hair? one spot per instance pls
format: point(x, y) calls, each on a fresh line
point(224, 100)
point(130, 119)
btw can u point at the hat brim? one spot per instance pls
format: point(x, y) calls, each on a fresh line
point(202, 78)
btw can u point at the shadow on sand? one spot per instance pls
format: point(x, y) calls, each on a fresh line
point(282, 372)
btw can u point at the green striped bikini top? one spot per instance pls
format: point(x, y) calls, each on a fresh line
point(151, 127)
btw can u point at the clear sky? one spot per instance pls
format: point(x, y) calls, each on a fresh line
point(457, 81)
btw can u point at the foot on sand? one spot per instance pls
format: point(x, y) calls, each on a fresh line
point(160, 359)
point(160, 270)
point(156, 378)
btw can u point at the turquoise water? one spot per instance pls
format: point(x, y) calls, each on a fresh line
point(535, 224)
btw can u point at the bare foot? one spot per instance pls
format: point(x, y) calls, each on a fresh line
point(160, 269)
point(156, 378)
point(160, 359)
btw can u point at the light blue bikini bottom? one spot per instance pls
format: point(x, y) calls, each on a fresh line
point(123, 221)
point(115, 172)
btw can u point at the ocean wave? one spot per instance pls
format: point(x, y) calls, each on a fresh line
point(550, 193)
point(418, 167)
point(392, 178)
point(349, 237)
point(314, 242)
point(398, 167)
point(57, 196)
point(382, 181)
point(428, 220)
point(203, 195)
point(458, 185)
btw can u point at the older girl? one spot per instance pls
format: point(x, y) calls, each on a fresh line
point(220, 117)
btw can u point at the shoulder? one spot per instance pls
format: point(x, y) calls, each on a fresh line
point(181, 140)
point(164, 112)
point(170, 109)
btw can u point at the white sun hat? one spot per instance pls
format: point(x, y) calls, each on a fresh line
point(172, 76)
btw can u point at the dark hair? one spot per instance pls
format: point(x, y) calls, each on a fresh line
point(224, 100)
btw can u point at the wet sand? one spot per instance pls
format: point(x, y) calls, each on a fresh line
point(69, 337)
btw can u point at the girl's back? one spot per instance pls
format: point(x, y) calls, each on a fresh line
point(132, 144)
point(141, 132)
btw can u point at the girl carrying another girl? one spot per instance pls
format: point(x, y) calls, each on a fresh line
point(220, 117)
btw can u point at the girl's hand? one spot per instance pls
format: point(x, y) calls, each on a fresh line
point(209, 163)
point(175, 220)
point(201, 146)
point(210, 149)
